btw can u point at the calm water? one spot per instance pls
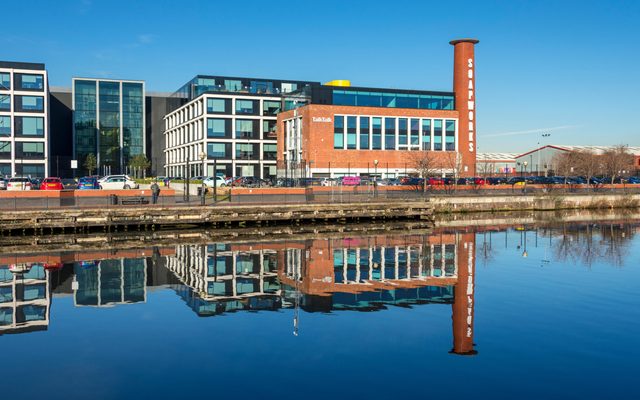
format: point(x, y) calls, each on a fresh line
point(522, 312)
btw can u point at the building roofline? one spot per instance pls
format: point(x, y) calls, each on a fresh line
point(391, 90)
point(82, 78)
point(22, 65)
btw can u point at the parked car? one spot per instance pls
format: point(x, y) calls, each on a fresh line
point(88, 183)
point(516, 180)
point(105, 178)
point(435, 181)
point(69, 184)
point(350, 180)
point(3, 184)
point(35, 183)
point(496, 180)
point(634, 180)
point(51, 183)
point(219, 181)
point(118, 182)
point(19, 184)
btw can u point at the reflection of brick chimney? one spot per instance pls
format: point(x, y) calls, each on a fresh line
point(464, 86)
point(463, 302)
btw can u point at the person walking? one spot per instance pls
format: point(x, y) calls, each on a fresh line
point(155, 192)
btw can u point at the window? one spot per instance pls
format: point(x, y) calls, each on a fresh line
point(31, 170)
point(5, 102)
point(5, 150)
point(218, 150)
point(289, 87)
point(5, 81)
point(261, 87)
point(30, 81)
point(5, 125)
point(403, 134)
point(352, 132)
point(30, 103)
point(392, 100)
point(216, 106)
point(389, 133)
point(426, 134)
point(450, 135)
point(217, 128)
point(245, 107)
point(269, 129)
point(245, 151)
point(245, 129)
point(338, 132)
point(29, 149)
point(364, 133)
point(415, 132)
point(232, 85)
point(437, 134)
point(376, 138)
point(270, 108)
point(29, 126)
point(269, 151)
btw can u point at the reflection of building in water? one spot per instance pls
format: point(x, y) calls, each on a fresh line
point(25, 297)
point(224, 278)
point(363, 274)
point(110, 282)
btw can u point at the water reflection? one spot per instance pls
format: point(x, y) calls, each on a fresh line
point(367, 273)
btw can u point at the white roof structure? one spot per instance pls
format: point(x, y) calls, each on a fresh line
point(496, 157)
point(596, 149)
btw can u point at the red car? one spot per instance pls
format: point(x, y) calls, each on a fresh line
point(433, 181)
point(51, 184)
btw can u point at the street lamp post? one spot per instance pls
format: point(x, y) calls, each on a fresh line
point(202, 158)
point(375, 178)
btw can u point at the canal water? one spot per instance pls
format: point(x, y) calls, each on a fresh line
point(502, 312)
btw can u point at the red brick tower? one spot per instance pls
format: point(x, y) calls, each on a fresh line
point(464, 86)
point(463, 306)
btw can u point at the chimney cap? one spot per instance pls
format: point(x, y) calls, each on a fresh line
point(472, 41)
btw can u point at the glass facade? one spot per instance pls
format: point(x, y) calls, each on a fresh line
point(29, 150)
point(218, 128)
point(29, 103)
point(5, 151)
point(85, 119)
point(247, 129)
point(246, 107)
point(132, 120)
point(29, 126)
point(215, 106)
point(108, 122)
point(389, 133)
point(338, 132)
point(352, 133)
point(29, 82)
point(365, 131)
point(365, 98)
point(218, 150)
point(109, 127)
point(5, 102)
point(5, 125)
point(399, 133)
point(5, 81)
point(271, 108)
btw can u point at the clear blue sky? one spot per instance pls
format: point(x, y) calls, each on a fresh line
point(565, 67)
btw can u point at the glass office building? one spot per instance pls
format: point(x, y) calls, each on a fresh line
point(24, 119)
point(109, 122)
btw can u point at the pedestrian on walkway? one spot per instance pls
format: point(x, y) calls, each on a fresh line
point(155, 192)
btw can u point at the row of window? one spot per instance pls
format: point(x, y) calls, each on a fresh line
point(25, 150)
point(22, 169)
point(244, 151)
point(270, 108)
point(393, 133)
point(226, 151)
point(244, 128)
point(24, 126)
point(22, 103)
point(393, 100)
point(22, 81)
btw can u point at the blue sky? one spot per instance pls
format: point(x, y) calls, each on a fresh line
point(569, 68)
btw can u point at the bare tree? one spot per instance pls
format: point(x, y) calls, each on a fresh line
point(485, 168)
point(425, 163)
point(616, 160)
point(588, 164)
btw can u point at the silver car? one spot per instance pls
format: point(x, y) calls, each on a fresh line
point(3, 184)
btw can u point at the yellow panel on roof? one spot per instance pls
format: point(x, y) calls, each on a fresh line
point(339, 82)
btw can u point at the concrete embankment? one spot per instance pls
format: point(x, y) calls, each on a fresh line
point(110, 219)
point(547, 202)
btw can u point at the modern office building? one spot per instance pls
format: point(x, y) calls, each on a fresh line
point(226, 121)
point(24, 122)
point(336, 130)
point(109, 122)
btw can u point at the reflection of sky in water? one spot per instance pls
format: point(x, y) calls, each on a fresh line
point(555, 314)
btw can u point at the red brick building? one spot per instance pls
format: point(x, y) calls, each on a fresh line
point(336, 130)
